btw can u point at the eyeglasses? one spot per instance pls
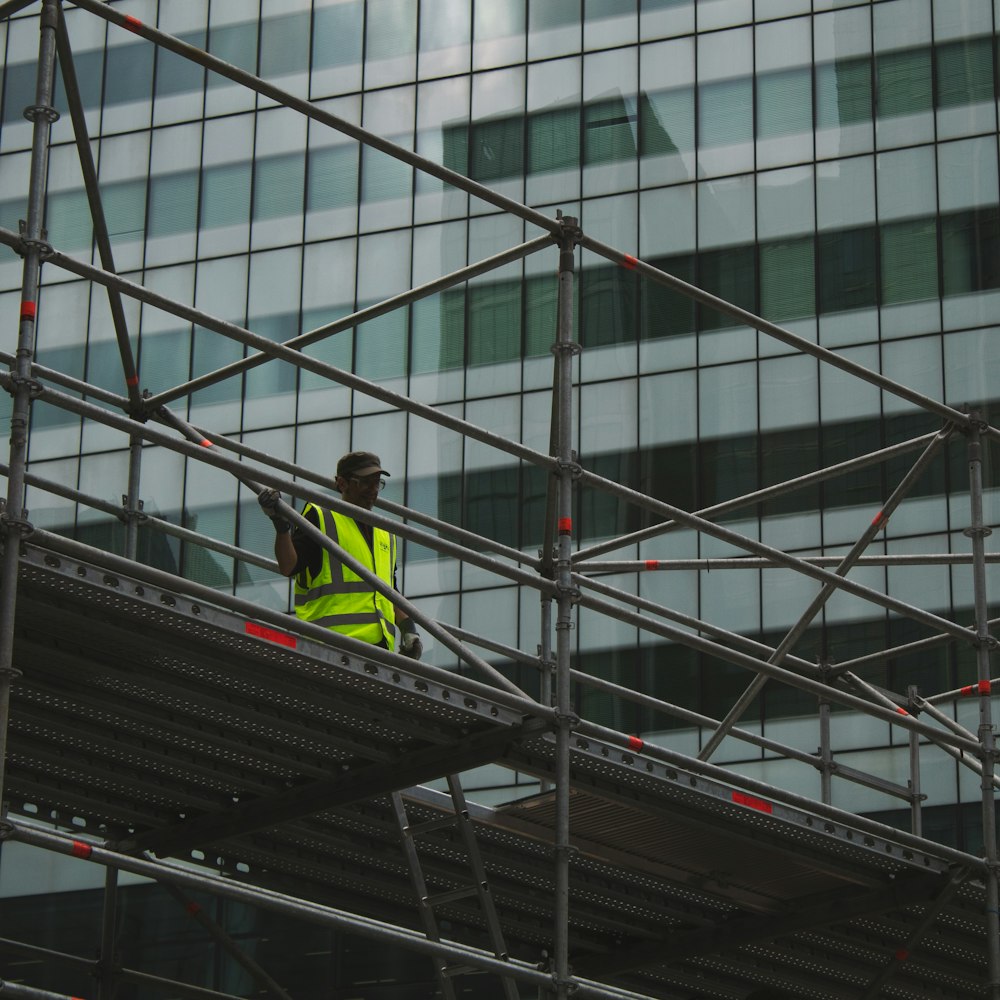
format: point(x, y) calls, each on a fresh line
point(369, 481)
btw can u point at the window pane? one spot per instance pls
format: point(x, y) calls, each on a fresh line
point(494, 322)
point(726, 112)
point(843, 93)
point(846, 270)
point(225, 195)
point(554, 139)
point(173, 203)
point(964, 72)
point(497, 149)
point(610, 130)
point(609, 300)
point(729, 274)
point(904, 82)
point(787, 279)
point(909, 261)
point(665, 312)
point(333, 177)
point(784, 102)
point(970, 244)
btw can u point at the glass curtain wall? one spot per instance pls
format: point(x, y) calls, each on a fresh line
point(832, 166)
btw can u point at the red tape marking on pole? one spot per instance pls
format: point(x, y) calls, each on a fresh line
point(565, 526)
point(985, 687)
point(652, 564)
point(81, 850)
point(132, 24)
point(741, 798)
point(629, 262)
point(132, 380)
point(271, 634)
point(634, 743)
point(205, 443)
point(878, 519)
point(28, 309)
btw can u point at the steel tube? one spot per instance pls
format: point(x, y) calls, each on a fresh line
point(827, 590)
point(433, 629)
point(150, 520)
point(977, 532)
point(211, 457)
point(779, 333)
point(13, 521)
point(356, 319)
point(686, 715)
point(225, 941)
point(760, 496)
point(12, 7)
point(107, 963)
point(89, 170)
point(778, 795)
point(779, 673)
point(68, 382)
point(312, 912)
point(917, 796)
point(782, 558)
point(270, 347)
point(904, 650)
point(611, 566)
point(280, 620)
point(468, 538)
point(750, 646)
point(564, 350)
point(317, 114)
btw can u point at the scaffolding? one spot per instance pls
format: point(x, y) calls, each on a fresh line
point(827, 904)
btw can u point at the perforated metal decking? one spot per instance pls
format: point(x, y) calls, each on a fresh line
point(156, 722)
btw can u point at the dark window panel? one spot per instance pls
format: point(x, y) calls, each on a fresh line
point(665, 312)
point(847, 269)
point(730, 274)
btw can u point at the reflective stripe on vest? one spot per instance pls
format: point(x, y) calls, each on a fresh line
point(336, 598)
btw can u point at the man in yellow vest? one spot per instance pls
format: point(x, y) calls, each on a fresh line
point(329, 593)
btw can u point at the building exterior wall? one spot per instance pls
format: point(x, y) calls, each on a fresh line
point(832, 165)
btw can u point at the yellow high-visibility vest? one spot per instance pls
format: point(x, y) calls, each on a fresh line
point(337, 598)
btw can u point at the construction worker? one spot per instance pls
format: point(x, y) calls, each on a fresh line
point(327, 592)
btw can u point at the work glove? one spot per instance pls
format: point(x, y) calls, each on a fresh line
point(409, 640)
point(269, 500)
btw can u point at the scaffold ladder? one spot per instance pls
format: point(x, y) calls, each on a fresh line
point(479, 886)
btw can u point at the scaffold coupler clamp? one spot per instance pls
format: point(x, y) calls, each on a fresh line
point(7, 830)
point(41, 244)
point(16, 381)
point(573, 466)
point(131, 513)
point(19, 522)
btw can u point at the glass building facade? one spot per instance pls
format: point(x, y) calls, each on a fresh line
point(831, 165)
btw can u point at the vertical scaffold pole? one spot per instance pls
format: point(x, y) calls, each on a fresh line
point(132, 503)
point(14, 520)
point(977, 532)
point(564, 349)
point(916, 795)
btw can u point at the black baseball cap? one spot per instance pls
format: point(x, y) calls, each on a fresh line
point(360, 463)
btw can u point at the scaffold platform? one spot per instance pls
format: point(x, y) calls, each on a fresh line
point(156, 724)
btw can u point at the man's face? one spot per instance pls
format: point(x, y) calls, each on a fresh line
point(362, 491)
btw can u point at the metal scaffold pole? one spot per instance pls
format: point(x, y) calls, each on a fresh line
point(984, 643)
point(14, 520)
point(564, 349)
